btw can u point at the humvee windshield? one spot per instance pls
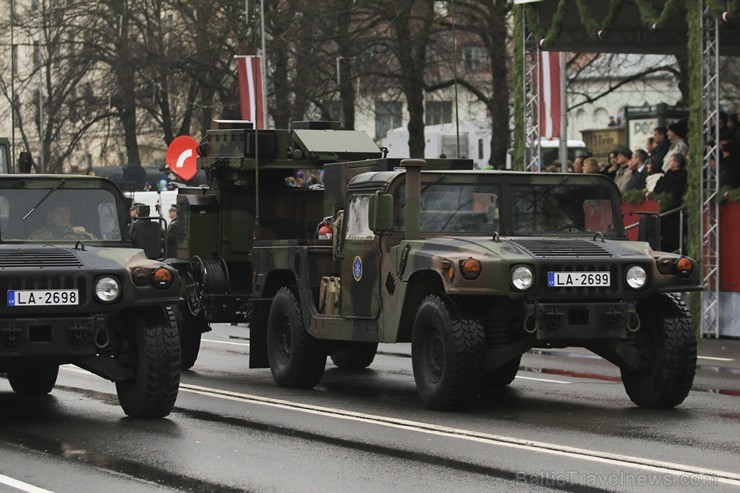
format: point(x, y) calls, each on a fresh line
point(455, 208)
point(64, 215)
point(562, 208)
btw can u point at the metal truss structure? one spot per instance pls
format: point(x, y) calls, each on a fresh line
point(710, 183)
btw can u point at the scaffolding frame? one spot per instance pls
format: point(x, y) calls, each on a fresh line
point(531, 74)
point(710, 182)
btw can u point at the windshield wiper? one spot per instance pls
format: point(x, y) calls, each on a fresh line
point(33, 209)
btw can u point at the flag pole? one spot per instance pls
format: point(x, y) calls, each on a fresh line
point(563, 116)
point(264, 65)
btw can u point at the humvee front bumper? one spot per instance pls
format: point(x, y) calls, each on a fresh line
point(52, 337)
point(569, 321)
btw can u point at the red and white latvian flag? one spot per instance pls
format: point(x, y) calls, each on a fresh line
point(250, 89)
point(549, 89)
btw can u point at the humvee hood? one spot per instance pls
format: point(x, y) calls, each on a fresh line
point(535, 247)
point(49, 256)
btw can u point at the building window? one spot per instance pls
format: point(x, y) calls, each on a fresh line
point(450, 149)
point(474, 58)
point(437, 112)
point(387, 117)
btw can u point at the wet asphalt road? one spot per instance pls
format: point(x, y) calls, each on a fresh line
point(564, 424)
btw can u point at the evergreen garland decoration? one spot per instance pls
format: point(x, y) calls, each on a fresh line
point(651, 18)
point(718, 9)
point(696, 142)
point(589, 23)
point(547, 36)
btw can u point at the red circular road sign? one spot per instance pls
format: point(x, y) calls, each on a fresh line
point(181, 157)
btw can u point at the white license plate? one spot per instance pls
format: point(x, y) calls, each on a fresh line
point(578, 279)
point(43, 297)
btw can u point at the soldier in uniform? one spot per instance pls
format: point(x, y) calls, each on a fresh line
point(59, 226)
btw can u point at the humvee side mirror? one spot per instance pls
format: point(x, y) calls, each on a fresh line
point(380, 212)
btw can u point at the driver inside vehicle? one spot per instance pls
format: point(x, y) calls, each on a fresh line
point(59, 225)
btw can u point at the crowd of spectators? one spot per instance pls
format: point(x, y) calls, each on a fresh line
point(658, 169)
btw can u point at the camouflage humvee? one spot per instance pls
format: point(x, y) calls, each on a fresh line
point(74, 291)
point(473, 268)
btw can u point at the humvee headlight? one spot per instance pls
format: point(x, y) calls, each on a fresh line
point(107, 289)
point(522, 278)
point(636, 277)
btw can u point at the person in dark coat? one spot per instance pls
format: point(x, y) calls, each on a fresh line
point(674, 183)
point(639, 170)
point(662, 144)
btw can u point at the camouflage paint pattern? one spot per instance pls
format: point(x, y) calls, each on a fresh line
point(384, 276)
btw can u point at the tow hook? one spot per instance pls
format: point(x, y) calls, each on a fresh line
point(633, 321)
point(530, 319)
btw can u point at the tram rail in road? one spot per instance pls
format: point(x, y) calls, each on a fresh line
point(706, 475)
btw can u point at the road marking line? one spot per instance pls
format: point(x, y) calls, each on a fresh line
point(542, 379)
point(20, 485)
point(420, 427)
point(225, 342)
point(713, 358)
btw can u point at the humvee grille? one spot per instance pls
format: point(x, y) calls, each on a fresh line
point(563, 248)
point(38, 258)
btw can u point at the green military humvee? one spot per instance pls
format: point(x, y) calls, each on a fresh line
point(74, 291)
point(473, 268)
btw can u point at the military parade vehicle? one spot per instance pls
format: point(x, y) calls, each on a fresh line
point(473, 268)
point(74, 291)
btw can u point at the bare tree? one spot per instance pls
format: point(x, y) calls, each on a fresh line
point(50, 92)
point(486, 23)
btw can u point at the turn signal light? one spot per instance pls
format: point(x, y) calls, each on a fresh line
point(684, 265)
point(162, 277)
point(470, 268)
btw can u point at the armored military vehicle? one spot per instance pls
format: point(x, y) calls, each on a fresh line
point(74, 291)
point(473, 268)
point(263, 184)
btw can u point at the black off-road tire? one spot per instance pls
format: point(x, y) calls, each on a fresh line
point(503, 376)
point(154, 354)
point(358, 356)
point(447, 356)
point(296, 359)
point(38, 379)
point(191, 328)
point(667, 340)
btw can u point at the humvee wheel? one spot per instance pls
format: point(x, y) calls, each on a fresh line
point(37, 379)
point(154, 354)
point(447, 356)
point(296, 360)
point(191, 329)
point(667, 340)
point(503, 376)
point(357, 356)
